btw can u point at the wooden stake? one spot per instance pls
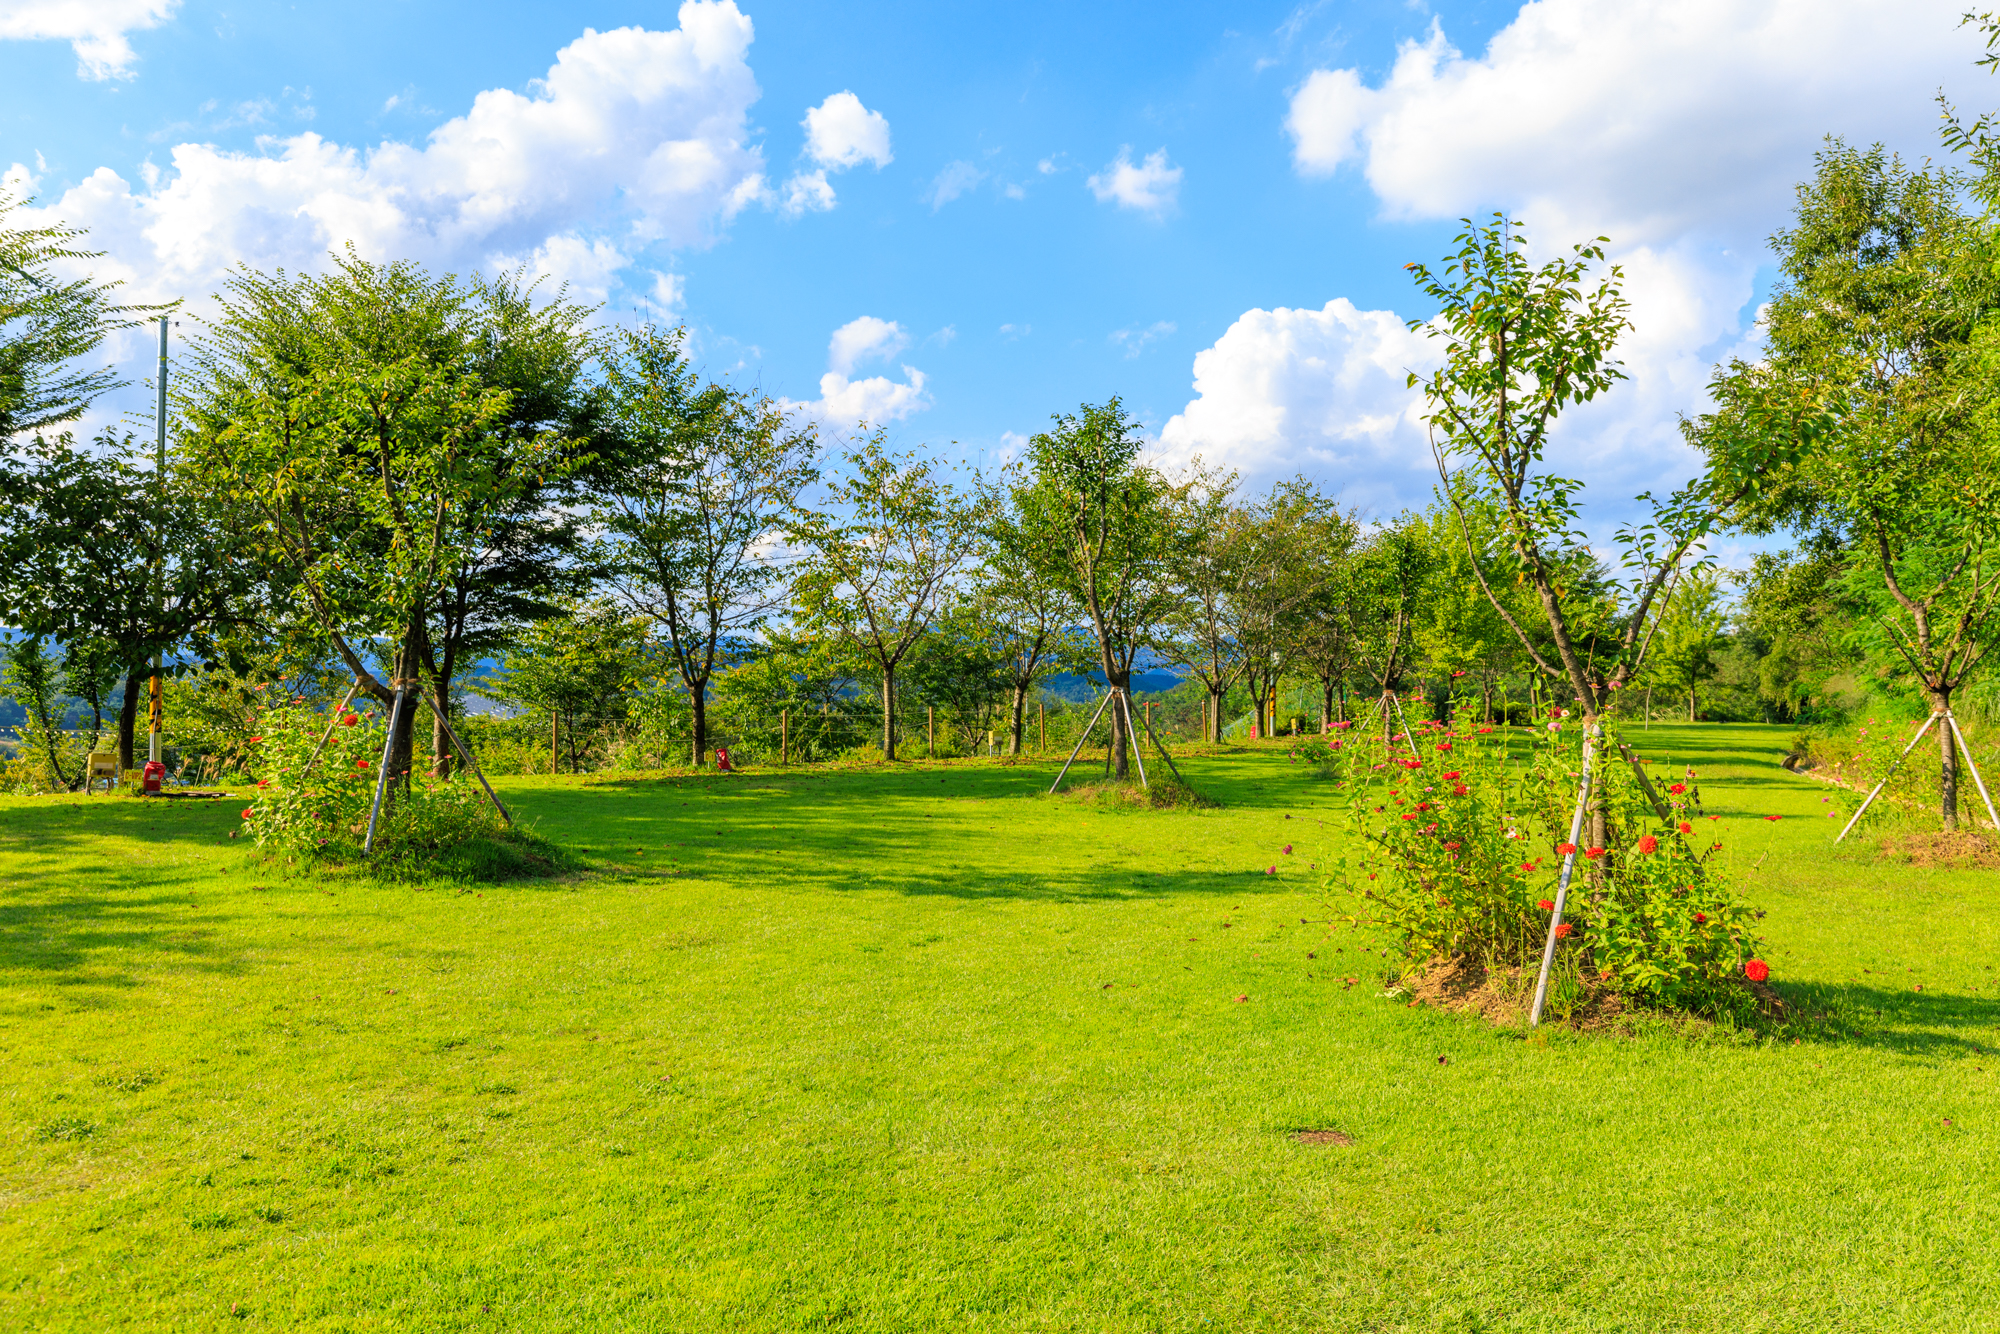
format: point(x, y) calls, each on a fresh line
point(1562, 883)
point(784, 736)
point(930, 730)
point(1042, 724)
point(1079, 745)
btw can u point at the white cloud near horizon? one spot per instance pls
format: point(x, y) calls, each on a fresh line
point(1151, 186)
point(95, 29)
point(1680, 132)
point(645, 131)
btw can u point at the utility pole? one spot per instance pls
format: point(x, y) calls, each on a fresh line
point(154, 708)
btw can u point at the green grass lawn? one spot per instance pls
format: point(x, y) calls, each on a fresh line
point(927, 1050)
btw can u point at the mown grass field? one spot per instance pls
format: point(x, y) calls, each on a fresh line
point(927, 1050)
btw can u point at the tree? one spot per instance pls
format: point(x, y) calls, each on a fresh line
point(878, 566)
point(692, 519)
point(1689, 633)
point(575, 668)
point(1880, 322)
point(97, 549)
point(48, 325)
point(1204, 630)
point(521, 565)
point(1391, 570)
point(1112, 519)
point(1523, 344)
point(348, 416)
point(1286, 549)
point(1020, 594)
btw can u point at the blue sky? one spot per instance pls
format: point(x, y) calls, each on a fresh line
point(1278, 158)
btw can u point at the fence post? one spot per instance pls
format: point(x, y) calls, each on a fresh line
point(784, 736)
point(1042, 724)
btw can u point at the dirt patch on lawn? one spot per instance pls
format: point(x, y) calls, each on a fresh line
point(1328, 1137)
point(1957, 849)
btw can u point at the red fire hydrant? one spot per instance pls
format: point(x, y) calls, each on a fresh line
point(151, 778)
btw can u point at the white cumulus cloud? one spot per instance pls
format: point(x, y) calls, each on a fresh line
point(876, 399)
point(638, 131)
point(841, 133)
point(1678, 131)
point(1149, 187)
point(95, 29)
point(1315, 391)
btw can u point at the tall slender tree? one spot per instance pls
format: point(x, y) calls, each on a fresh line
point(1115, 520)
point(879, 565)
point(693, 520)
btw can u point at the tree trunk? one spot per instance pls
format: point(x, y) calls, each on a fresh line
point(440, 740)
point(128, 716)
point(888, 714)
point(698, 711)
point(1120, 747)
point(1019, 718)
point(1691, 707)
point(1947, 761)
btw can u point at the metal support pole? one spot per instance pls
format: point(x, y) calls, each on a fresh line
point(1079, 745)
point(382, 776)
point(1870, 800)
point(1164, 752)
point(466, 755)
point(1562, 881)
point(784, 736)
point(155, 722)
point(1952, 718)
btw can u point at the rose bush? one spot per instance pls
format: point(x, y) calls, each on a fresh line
point(1465, 836)
point(321, 812)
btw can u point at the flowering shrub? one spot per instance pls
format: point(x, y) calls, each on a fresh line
point(1465, 837)
point(322, 812)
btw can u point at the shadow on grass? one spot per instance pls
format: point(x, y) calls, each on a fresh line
point(1907, 1023)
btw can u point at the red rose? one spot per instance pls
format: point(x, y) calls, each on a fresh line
point(1756, 970)
point(1686, 828)
point(1546, 905)
point(1566, 849)
point(1593, 853)
point(1647, 843)
point(1563, 930)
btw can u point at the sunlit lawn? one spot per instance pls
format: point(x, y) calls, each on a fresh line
point(928, 1050)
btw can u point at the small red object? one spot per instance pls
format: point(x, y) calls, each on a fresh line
point(152, 776)
point(722, 764)
point(1757, 970)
